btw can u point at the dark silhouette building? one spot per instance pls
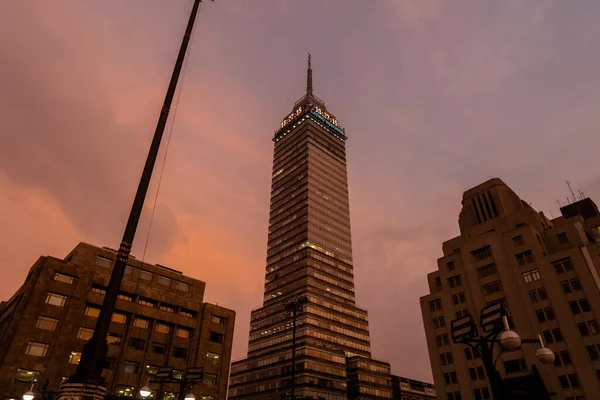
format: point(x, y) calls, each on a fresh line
point(309, 254)
point(161, 320)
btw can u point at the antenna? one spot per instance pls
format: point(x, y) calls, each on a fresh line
point(571, 190)
point(551, 214)
point(580, 194)
point(558, 202)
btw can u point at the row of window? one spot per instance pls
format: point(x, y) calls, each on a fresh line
point(146, 275)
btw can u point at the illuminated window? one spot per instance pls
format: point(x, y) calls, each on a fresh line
point(119, 318)
point(162, 328)
point(141, 323)
point(146, 302)
point(166, 307)
point(170, 396)
point(186, 313)
point(37, 349)
point(210, 379)
point(125, 391)
point(206, 397)
point(91, 311)
point(163, 280)
point(151, 369)
point(63, 278)
point(85, 333)
point(146, 275)
point(114, 339)
point(182, 286)
point(183, 333)
point(218, 320)
point(74, 358)
point(177, 374)
point(98, 290)
point(124, 297)
point(46, 323)
point(56, 299)
point(531, 276)
point(103, 262)
point(26, 376)
point(212, 358)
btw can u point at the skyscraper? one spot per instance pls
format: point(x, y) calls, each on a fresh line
point(309, 254)
point(544, 271)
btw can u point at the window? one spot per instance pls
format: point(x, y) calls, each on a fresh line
point(151, 369)
point(124, 297)
point(518, 241)
point(146, 302)
point(98, 290)
point(438, 283)
point(141, 323)
point(459, 298)
point(85, 333)
point(481, 393)
point(75, 357)
point(531, 276)
point(562, 358)
point(553, 336)
point(492, 287)
point(136, 343)
point(146, 275)
point(26, 376)
point(513, 366)
point(593, 351)
point(114, 339)
point(182, 286)
point(538, 294)
point(212, 358)
point(159, 348)
point(56, 299)
point(187, 313)
point(482, 253)
point(476, 373)
point(37, 349)
point(450, 378)
point(446, 359)
point(585, 305)
point(215, 337)
point(442, 340)
point(462, 313)
point(450, 265)
point(568, 381)
point(579, 306)
point(103, 262)
point(218, 320)
point(179, 352)
point(163, 280)
point(119, 318)
point(487, 270)
point(63, 278)
point(183, 333)
point(167, 308)
point(454, 281)
point(177, 374)
point(593, 325)
point(525, 257)
point(210, 379)
point(92, 311)
point(130, 367)
point(128, 269)
point(588, 328)
point(454, 396)
point(545, 314)
point(563, 265)
point(468, 353)
point(570, 286)
point(46, 323)
point(442, 321)
point(125, 391)
point(162, 328)
point(562, 238)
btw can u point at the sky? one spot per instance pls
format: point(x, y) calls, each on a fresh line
point(435, 96)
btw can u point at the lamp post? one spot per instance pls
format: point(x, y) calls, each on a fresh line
point(494, 324)
point(43, 391)
point(87, 382)
point(295, 306)
point(193, 376)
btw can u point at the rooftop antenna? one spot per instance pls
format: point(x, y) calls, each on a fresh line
point(580, 194)
point(551, 214)
point(558, 202)
point(309, 80)
point(571, 190)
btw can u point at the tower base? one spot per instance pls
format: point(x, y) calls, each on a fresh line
point(81, 391)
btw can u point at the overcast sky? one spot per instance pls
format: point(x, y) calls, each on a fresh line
point(435, 97)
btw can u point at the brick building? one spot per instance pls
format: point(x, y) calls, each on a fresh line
point(160, 320)
point(544, 271)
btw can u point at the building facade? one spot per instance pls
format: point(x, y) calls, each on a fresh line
point(410, 389)
point(309, 254)
point(545, 271)
point(160, 321)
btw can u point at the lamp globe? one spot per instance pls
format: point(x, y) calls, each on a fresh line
point(510, 340)
point(544, 355)
point(190, 396)
point(28, 395)
point(145, 392)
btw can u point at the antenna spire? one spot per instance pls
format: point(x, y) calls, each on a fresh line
point(309, 84)
point(571, 190)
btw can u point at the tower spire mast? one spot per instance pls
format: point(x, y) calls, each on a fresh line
point(309, 81)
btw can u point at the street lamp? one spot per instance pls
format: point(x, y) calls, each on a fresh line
point(29, 395)
point(145, 391)
point(494, 324)
point(193, 376)
point(296, 305)
point(190, 396)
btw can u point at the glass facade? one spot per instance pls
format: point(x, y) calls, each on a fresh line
point(309, 253)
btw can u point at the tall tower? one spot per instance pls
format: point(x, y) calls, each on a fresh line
point(309, 254)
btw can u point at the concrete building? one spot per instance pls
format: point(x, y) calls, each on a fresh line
point(161, 320)
point(546, 274)
point(410, 389)
point(309, 254)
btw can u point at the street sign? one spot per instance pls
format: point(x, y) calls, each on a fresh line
point(164, 374)
point(491, 317)
point(195, 374)
point(463, 329)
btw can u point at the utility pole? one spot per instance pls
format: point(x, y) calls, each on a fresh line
point(87, 382)
point(295, 306)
